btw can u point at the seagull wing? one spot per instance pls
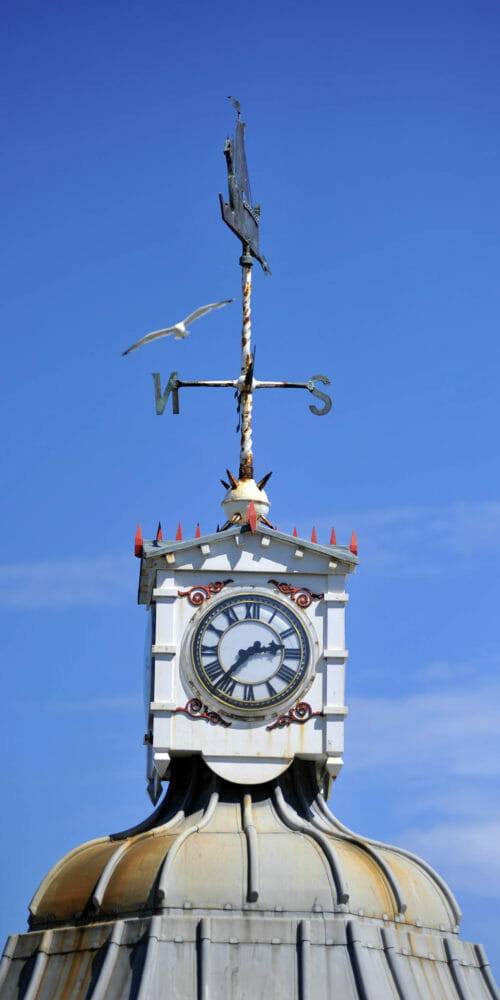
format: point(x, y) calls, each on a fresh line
point(205, 309)
point(148, 337)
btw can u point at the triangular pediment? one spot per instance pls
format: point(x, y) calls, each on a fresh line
point(264, 544)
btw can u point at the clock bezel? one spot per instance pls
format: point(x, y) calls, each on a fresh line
point(236, 708)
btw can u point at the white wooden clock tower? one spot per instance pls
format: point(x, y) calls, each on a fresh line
point(247, 651)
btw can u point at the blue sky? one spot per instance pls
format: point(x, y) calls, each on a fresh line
point(373, 147)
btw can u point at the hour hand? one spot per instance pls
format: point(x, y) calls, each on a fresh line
point(243, 656)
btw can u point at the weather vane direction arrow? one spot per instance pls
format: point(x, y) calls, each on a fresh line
point(243, 219)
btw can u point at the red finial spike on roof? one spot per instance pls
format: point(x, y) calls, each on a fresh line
point(138, 542)
point(198, 532)
point(178, 536)
point(354, 544)
point(295, 532)
point(275, 527)
point(159, 535)
point(333, 538)
point(313, 536)
point(217, 529)
point(252, 516)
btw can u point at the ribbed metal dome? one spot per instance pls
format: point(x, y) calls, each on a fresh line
point(274, 846)
point(241, 893)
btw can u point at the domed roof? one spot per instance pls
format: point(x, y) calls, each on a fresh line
point(238, 893)
point(214, 845)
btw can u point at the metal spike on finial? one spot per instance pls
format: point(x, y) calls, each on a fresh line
point(232, 480)
point(262, 482)
point(159, 534)
point(354, 544)
point(333, 537)
point(138, 542)
point(178, 536)
point(225, 485)
point(252, 516)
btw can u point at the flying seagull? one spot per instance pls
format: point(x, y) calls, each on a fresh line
point(180, 330)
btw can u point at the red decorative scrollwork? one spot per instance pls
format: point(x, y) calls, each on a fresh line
point(300, 714)
point(197, 710)
point(199, 594)
point(301, 595)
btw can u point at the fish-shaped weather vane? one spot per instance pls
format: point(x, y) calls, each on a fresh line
point(179, 330)
point(239, 213)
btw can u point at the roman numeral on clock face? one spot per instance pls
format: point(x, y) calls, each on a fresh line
point(230, 614)
point(292, 653)
point(286, 632)
point(208, 650)
point(252, 610)
point(214, 671)
point(218, 631)
point(248, 694)
point(227, 684)
point(285, 674)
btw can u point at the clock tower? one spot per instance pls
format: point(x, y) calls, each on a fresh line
point(242, 883)
point(247, 651)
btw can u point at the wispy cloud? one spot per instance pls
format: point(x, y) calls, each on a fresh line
point(468, 852)
point(421, 539)
point(60, 583)
point(115, 704)
point(437, 755)
point(455, 730)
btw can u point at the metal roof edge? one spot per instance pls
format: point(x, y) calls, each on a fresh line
point(152, 548)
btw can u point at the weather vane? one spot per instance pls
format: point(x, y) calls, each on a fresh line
point(243, 219)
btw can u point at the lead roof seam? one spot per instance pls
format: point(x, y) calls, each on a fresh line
point(394, 886)
point(304, 959)
point(54, 872)
point(485, 969)
point(114, 860)
point(39, 966)
point(293, 821)
point(456, 972)
point(182, 837)
point(8, 953)
point(433, 875)
point(394, 962)
point(252, 849)
point(108, 966)
point(354, 951)
point(149, 963)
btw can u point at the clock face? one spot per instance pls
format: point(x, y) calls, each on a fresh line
point(251, 652)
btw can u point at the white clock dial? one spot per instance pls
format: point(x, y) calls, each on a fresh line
point(251, 652)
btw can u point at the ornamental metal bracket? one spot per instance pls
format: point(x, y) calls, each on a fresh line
point(199, 594)
point(196, 710)
point(300, 714)
point(300, 595)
